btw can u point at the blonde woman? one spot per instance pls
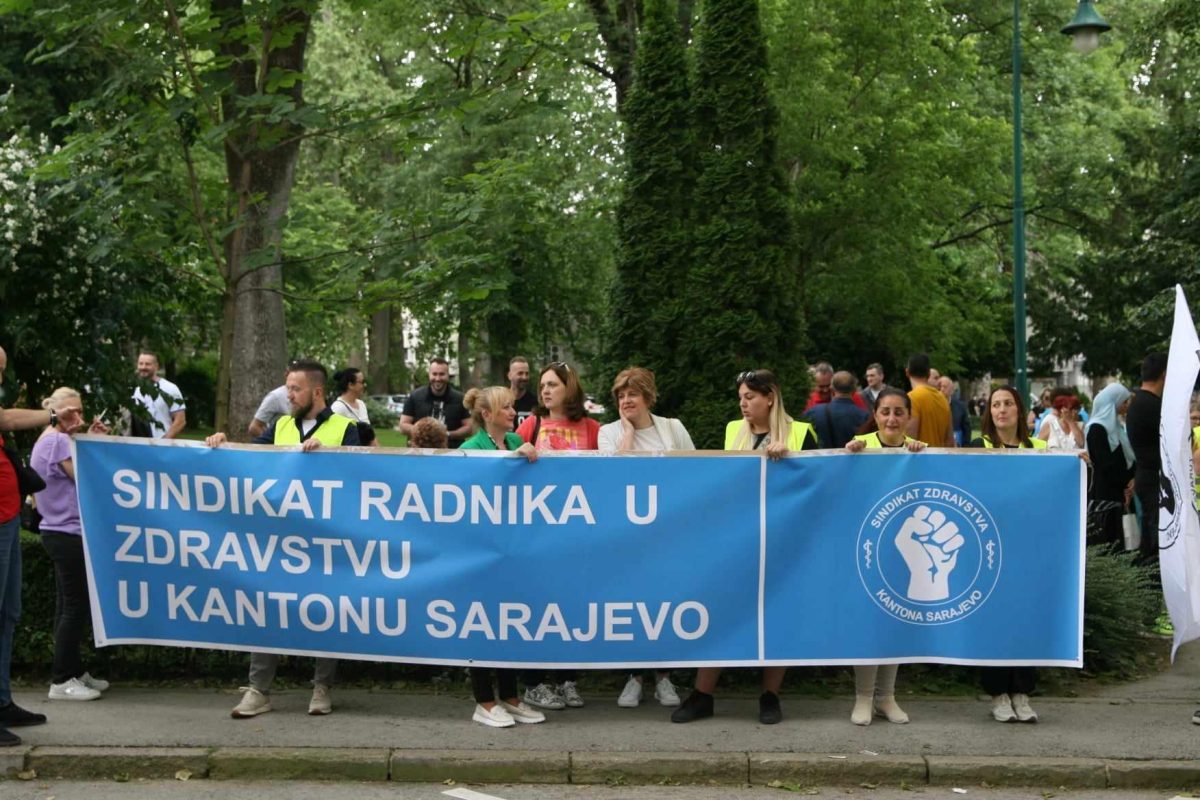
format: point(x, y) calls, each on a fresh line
point(765, 425)
point(62, 537)
point(493, 413)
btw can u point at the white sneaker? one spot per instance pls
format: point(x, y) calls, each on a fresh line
point(320, 704)
point(664, 692)
point(494, 717)
point(72, 690)
point(253, 703)
point(522, 713)
point(1002, 709)
point(93, 683)
point(545, 695)
point(1022, 709)
point(570, 694)
point(631, 695)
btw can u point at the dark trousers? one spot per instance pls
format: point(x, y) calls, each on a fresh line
point(481, 684)
point(72, 611)
point(1008, 680)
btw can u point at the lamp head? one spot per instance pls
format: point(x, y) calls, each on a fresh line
point(1086, 27)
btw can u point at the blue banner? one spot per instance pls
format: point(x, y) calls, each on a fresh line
point(586, 560)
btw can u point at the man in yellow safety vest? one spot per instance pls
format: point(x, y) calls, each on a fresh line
point(311, 425)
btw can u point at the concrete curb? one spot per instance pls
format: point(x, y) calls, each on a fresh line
point(594, 767)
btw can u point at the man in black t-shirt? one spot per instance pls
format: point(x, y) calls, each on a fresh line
point(1142, 423)
point(440, 401)
point(518, 381)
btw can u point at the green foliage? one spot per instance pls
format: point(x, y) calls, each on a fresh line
point(1120, 601)
point(647, 317)
point(197, 379)
point(74, 293)
point(381, 418)
point(742, 290)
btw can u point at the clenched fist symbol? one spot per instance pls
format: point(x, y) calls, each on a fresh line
point(929, 545)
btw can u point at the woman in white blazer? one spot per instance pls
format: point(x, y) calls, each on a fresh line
point(637, 429)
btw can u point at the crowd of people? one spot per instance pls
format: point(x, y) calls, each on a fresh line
point(838, 415)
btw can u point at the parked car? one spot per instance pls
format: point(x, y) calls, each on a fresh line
point(393, 402)
point(592, 407)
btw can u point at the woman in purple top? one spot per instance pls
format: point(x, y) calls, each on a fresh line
point(62, 537)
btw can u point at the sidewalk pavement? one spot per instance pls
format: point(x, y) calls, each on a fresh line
point(1136, 735)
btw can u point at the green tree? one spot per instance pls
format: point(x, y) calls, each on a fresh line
point(742, 294)
point(645, 322)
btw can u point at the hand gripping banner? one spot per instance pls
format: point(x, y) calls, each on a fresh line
point(587, 560)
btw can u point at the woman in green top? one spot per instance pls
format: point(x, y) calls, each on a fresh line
point(875, 684)
point(493, 413)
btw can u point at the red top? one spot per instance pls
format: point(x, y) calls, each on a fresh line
point(10, 497)
point(562, 434)
point(815, 399)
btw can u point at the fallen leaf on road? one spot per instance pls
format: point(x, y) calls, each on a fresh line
point(183, 775)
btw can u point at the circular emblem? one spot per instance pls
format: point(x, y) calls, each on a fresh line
point(1173, 495)
point(929, 553)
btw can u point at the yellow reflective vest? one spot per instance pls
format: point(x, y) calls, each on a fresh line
point(796, 435)
point(329, 433)
point(1038, 444)
point(871, 440)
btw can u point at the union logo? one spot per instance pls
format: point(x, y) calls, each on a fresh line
point(929, 553)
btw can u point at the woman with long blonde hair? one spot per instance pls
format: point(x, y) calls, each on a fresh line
point(765, 425)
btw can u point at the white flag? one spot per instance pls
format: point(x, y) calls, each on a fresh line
point(1178, 523)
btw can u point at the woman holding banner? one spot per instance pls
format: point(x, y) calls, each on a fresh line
point(766, 426)
point(493, 413)
point(559, 422)
point(635, 393)
point(1004, 426)
point(62, 537)
point(875, 684)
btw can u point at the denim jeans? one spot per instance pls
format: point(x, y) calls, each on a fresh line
point(10, 598)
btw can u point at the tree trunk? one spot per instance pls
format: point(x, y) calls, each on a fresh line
point(260, 162)
point(379, 346)
point(224, 351)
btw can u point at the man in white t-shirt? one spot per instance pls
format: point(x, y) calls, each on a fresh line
point(167, 412)
point(273, 406)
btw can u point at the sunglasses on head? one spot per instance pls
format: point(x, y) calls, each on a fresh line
point(560, 365)
point(751, 378)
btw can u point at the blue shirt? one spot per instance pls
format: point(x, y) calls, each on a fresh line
point(836, 421)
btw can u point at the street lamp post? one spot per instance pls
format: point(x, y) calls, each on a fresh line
point(1085, 28)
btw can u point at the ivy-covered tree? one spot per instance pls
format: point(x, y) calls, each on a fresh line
point(741, 297)
point(656, 210)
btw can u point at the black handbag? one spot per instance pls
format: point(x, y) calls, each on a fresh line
point(28, 480)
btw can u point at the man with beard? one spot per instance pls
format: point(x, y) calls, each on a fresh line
point(311, 425)
point(518, 381)
point(440, 401)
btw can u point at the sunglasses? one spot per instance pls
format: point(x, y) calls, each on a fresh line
point(559, 365)
point(751, 378)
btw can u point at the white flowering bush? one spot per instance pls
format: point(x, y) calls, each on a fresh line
point(73, 297)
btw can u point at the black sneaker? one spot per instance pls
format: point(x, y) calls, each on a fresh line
point(8, 738)
point(769, 712)
point(1196, 718)
point(698, 705)
point(13, 716)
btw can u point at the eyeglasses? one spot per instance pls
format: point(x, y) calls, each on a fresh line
point(560, 365)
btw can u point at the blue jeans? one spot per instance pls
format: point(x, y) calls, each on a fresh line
point(10, 598)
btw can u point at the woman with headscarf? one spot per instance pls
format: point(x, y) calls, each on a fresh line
point(1112, 465)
